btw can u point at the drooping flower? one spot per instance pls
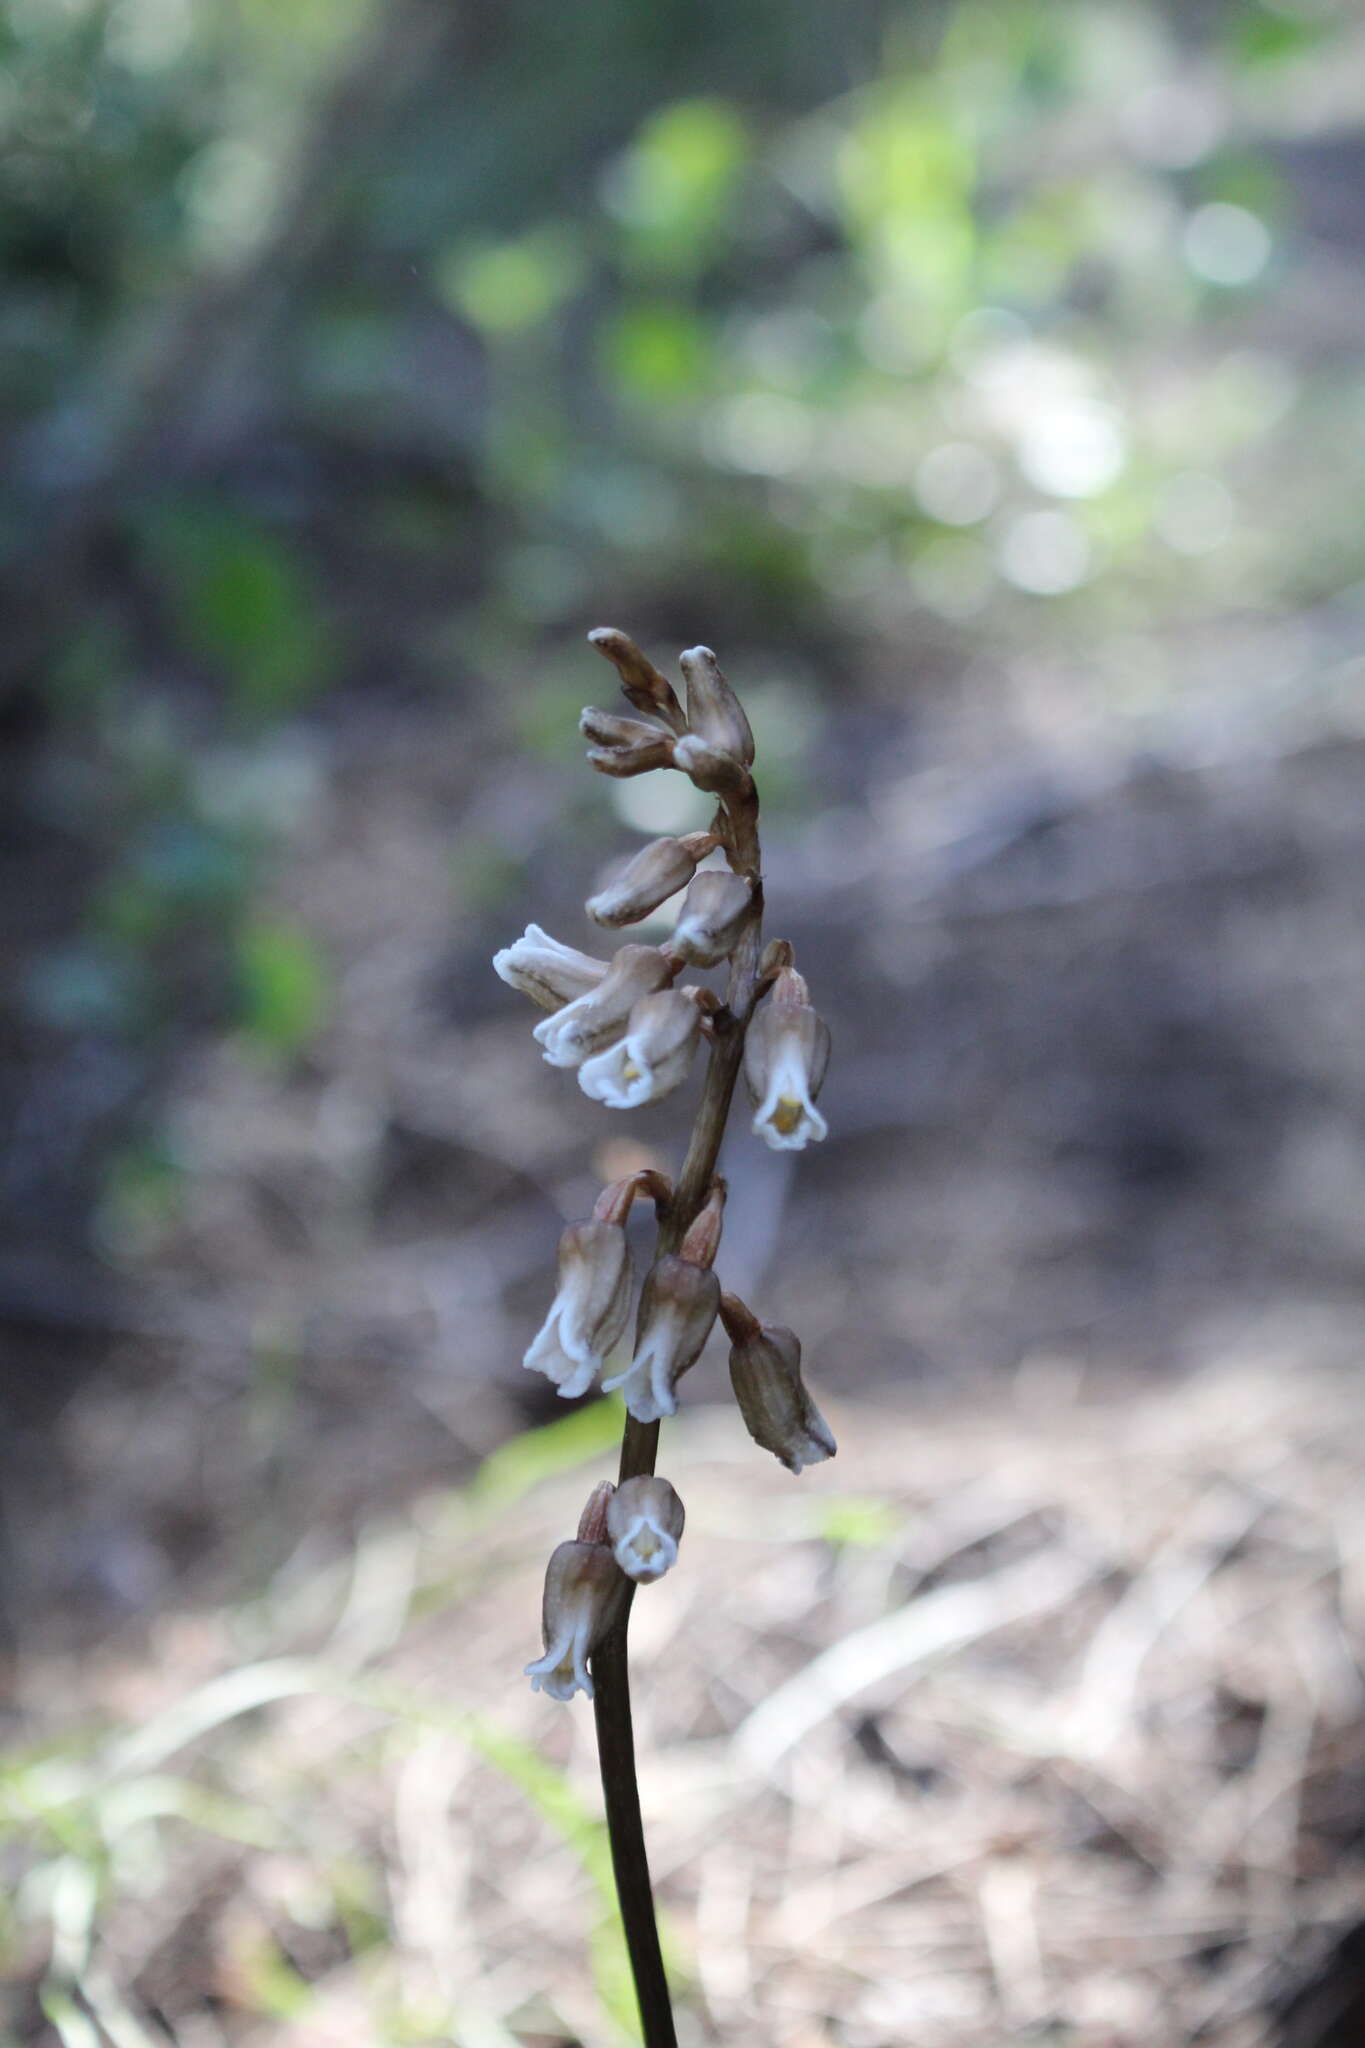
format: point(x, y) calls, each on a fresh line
point(597, 1019)
point(677, 1310)
point(765, 1372)
point(583, 1590)
point(658, 871)
point(653, 1057)
point(549, 973)
point(786, 1053)
point(644, 1522)
point(712, 917)
point(589, 1312)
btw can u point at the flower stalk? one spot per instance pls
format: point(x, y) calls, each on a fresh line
point(631, 1032)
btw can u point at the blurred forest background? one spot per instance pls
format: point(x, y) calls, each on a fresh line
point(986, 383)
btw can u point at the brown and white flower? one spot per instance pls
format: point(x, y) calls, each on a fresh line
point(597, 1019)
point(588, 1315)
point(644, 1522)
point(549, 973)
point(583, 1591)
point(677, 1310)
point(786, 1053)
point(657, 872)
point(652, 1059)
point(712, 917)
point(765, 1372)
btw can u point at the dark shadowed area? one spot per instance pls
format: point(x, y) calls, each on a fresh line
point(986, 384)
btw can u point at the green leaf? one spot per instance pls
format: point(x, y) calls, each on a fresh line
point(283, 985)
point(506, 287)
point(243, 603)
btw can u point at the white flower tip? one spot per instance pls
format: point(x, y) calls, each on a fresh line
point(789, 1124)
point(646, 1551)
point(810, 1451)
point(557, 1682)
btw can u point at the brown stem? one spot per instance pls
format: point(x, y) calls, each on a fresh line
point(639, 1447)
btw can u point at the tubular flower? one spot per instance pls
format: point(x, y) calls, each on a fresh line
point(625, 746)
point(597, 1019)
point(785, 1057)
point(658, 871)
point(714, 712)
point(583, 1590)
point(765, 1371)
point(653, 1057)
point(550, 974)
point(712, 917)
point(589, 1311)
point(644, 1521)
point(677, 1310)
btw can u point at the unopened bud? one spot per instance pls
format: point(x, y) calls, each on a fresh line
point(658, 871)
point(765, 1372)
point(712, 917)
point(714, 712)
point(641, 682)
point(786, 1052)
point(583, 1593)
point(719, 773)
point(589, 1312)
point(592, 1523)
point(599, 1018)
point(625, 746)
point(677, 1310)
point(653, 1057)
point(550, 974)
point(702, 1240)
point(644, 1522)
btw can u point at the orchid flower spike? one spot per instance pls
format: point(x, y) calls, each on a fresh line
point(644, 1521)
point(550, 974)
point(658, 871)
point(765, 1371)
point(786, 1053)
point(597, 1019)
point(712, 917)
point(583, 1591)
point(653, 1057)
point(589, 1312)
point(677, 1309)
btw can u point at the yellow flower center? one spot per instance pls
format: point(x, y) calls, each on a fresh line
point(787, 1115)
point(629, 1071)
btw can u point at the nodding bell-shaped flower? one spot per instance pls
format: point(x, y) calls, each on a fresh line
point(677, 1310)
point(786, 1053)
point(550, 974)
point(583, 1592)
point(597, 1019)
point(653, 1057)
point(714, 712)
point(589, 1312)
point(658, 871)
point(625, 746)
point(765, 1372)
point(644, 1521)
point(711, 918)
